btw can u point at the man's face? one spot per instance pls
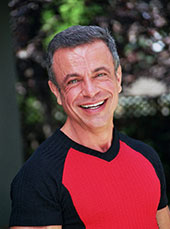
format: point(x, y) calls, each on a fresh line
point(88, 85)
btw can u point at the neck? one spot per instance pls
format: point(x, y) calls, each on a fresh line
point(99, 139)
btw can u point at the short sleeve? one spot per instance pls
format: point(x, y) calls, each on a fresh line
point(154, 158)
point(35, 199)
point(160, 172)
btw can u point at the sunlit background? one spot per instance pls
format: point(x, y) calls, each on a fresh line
point(142, 33)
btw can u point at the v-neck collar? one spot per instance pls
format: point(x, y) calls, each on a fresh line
point(109, 155)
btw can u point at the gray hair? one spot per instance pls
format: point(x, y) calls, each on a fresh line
point(78, 35)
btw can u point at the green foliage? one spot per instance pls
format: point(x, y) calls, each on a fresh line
point(70, 12)
point(34, 111)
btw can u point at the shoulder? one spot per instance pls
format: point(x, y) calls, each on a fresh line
point(146, 150)
point(46, 163)
point(37, 188)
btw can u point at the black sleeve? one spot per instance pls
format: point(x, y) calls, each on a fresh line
point(160, 173)
point(35, 198)
point(153, 157)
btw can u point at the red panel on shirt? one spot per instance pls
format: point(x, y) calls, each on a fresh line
point(122, 193)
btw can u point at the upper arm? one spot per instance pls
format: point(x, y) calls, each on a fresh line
point(163, 218)
point(41, 227)
point(35, 199)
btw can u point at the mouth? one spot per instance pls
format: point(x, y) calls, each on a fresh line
point(93, 106)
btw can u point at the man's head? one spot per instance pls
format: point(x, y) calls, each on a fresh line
point(78, 35)
point(88, 82)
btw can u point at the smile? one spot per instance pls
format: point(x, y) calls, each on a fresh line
point(93, 106)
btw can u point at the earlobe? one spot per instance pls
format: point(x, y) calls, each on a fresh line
point(55, 91)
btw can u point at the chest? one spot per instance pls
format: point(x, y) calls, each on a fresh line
point(111, 194)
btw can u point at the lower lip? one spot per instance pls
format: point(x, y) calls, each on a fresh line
point(95, 109)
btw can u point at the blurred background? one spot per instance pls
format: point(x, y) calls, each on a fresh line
point(29, 112)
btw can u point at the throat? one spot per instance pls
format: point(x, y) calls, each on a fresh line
point(99, 141)
point(104, 148)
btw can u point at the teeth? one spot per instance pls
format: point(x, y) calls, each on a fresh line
point(93, 105)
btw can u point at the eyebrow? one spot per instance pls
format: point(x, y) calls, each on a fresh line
point(101, 68)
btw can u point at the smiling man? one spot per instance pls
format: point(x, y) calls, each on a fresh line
point(87, 174)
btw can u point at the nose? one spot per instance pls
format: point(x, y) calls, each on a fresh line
point(89, 89)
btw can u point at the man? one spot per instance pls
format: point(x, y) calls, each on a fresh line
point(87, 174)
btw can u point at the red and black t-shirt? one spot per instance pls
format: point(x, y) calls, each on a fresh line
point(64, 183)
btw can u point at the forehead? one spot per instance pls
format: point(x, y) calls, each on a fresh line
point(83, 50)
point(82, 57)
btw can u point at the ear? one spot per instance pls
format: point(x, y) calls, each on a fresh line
point(119, 78)
point(55, 91)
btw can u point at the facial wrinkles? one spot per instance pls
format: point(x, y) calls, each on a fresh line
point(87, 89)
point(85, 64)
point(64, 61)
point(79, 60)
point(79, 63)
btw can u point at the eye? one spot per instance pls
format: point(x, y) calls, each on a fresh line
point(74, 81)
point(101, 74)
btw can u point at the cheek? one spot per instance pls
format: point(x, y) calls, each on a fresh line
point(108, 86)
point(70, 96)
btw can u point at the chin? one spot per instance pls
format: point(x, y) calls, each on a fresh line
point(98, 124)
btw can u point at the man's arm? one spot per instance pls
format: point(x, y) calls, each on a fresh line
point(41, 227)
point(163, 218)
